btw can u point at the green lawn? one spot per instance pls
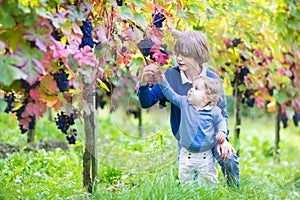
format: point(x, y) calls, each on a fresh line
point(134, 167)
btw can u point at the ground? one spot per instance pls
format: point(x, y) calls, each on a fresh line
point(6, 149)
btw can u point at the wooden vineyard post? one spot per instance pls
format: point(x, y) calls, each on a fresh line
point(277, 133)
point(90, 156)
point(237, 117)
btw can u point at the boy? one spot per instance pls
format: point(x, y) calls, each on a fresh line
point(192, 51)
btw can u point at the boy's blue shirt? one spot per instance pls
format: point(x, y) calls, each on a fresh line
point(149, 96)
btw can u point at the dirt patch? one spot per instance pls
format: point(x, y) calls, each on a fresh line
point(51, 144)
point(6, 149)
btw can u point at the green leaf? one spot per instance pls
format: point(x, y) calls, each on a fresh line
point(275, 49)
point(44, 13)
point(3, 105)
point(11, 37)
point(280, 96)
point(126, 13)
point(6, 19)
point(140, 18)
point(135, 63)
point(32, 66)
point(294, 11)
point(139, 3)
point(9, 72)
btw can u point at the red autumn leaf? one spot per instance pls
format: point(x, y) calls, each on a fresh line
point(161, 58)
point(25, 122)
point(35, 94)
point(36, 109)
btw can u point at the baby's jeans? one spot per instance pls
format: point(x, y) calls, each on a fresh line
point(202, 164)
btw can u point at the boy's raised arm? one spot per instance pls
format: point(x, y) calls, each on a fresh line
point(168, 92)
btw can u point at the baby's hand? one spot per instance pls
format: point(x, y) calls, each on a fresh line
point(160, 76)
point(221, 137)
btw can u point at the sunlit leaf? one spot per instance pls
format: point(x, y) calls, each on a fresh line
point(9, 72)
point(103, 85)
point(139, 3)
point(126, 13)
point(141, 19)
point(48, 85)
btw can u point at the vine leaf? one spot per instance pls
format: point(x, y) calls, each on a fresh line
point(38, 36)
point(49, 85)
point(51, 101)
point(30, 64)
point(7, 19)
point(126, 13)
point(9, 72)
point(36, 109)
point(35, 94)
point(140, 18)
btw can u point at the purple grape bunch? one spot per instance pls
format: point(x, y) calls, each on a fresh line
point(72, 137)
point(119, 2)
point(236, 42)
point(61, 78)
point(244, 71)
point(87, 38)
point(284, 120)
point(296, 118)
point(145, 46)
point(158, 19)
point(64, 122)
point(19, 113)
point(9, 98)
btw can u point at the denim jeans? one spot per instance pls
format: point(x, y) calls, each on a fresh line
point(229, 167)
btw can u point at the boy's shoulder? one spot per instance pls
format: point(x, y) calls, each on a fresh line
point(173, 70)
point(173, 73)
point(212, 74)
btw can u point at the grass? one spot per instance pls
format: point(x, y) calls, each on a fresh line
point(133, 167)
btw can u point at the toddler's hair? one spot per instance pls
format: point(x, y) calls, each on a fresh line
point(193, 44)
point(212, 87)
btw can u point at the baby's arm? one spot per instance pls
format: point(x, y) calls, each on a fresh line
point(221, 126)
point(221, 137)
point(168, 92)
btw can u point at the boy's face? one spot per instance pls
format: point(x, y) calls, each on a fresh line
point(197, 94)
point(186, 63)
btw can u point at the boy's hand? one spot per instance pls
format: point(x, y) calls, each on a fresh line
point(221, 137)
point(148, 74)
point(160, 76)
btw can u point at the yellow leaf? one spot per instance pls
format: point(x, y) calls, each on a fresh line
point(271, 106)
point(18, 105)
point(103, 85)
point(64, 40)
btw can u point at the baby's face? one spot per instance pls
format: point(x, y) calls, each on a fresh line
point(197, 93)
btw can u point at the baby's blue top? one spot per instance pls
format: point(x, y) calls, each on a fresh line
point(150, 96)
point(197, 128)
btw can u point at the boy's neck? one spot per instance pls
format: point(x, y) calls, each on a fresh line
point(191, 74)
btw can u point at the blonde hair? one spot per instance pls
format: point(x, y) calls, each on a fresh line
point(193, 44)
point(212, 87)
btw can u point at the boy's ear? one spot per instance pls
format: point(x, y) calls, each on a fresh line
point(207, 99)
